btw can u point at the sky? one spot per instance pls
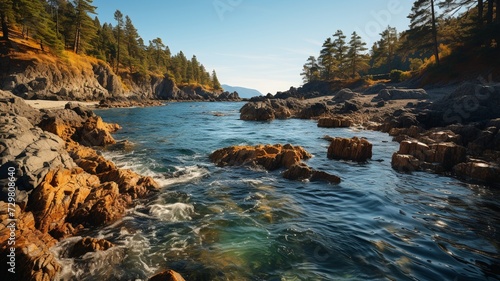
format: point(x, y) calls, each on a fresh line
point(258, 44)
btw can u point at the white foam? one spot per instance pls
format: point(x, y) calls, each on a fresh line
point(172, 212)
point(183, 175)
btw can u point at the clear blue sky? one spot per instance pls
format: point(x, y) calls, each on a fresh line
point(260, 44)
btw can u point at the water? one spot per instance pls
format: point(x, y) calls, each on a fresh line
point(236, 223)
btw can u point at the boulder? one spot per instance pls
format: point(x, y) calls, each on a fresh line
point(31, 151)
point(324, 176)
point(335, 122)
point(271, 157)
point(344, 95)
point(401, 94)
point(257, 111)
point(314, 110)
point(89, 244)
point(12, 105)
point(405, 162)
point(354, 149)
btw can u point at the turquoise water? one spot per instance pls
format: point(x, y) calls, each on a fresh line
point(237, 223)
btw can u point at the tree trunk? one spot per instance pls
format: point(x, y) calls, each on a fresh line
point(480, 8)
point(489, 16)
point(497, 16)
point(434, 33)
point(118, 52)
point(5, 27)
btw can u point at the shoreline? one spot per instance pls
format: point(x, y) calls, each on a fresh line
point(49, 104)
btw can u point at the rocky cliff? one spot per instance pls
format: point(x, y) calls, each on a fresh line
point(88, 79)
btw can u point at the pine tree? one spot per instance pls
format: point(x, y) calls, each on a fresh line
point(423, 26)
point(84, 25)
point(215, 81)
point(327, 60)
point(6, 13)
point(131, 39)
point(37, 23)
point(357, 59)
point(119, 27)
point(310, 71)
point(340, 51)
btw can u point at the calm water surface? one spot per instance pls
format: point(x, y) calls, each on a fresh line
point(211, 223)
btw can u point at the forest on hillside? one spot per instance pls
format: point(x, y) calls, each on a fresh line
point(72, 25)
point(441, 32)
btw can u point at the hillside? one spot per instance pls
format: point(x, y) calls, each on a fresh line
point(242, 91)
point(31, 73)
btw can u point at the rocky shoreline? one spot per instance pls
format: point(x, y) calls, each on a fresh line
point(453, 131)
point(64, 185)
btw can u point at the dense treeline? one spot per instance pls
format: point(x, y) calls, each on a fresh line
point(462, 27)
point(73, 25)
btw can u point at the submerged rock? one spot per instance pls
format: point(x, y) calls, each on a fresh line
point(89, 244)
point(354, 149)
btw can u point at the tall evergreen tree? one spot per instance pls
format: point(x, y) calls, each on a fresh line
point(310, 71)
point(119, 27)
point(340, 51)
point(356, 56)
point(215, 81)
point(6, 15)
point(131, 39)
point(327, 60)
point(84, 25)
point(423, 26)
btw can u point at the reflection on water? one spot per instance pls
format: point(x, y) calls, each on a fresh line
point(211, 223)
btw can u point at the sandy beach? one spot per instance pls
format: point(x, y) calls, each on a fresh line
point(49, 104)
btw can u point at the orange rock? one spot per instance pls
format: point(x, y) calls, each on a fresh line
point(168, 275)
point(354, 149)
point(58, 195)
point(335, 122)
point(270, 157)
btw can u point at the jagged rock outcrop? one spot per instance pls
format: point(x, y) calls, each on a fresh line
point(31, 151)
point(33, 258)
point(335, 122)
point(354, 149)
point(61, 184)
point(271, 157)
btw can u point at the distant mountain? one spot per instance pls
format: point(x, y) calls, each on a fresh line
point(242, 92)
